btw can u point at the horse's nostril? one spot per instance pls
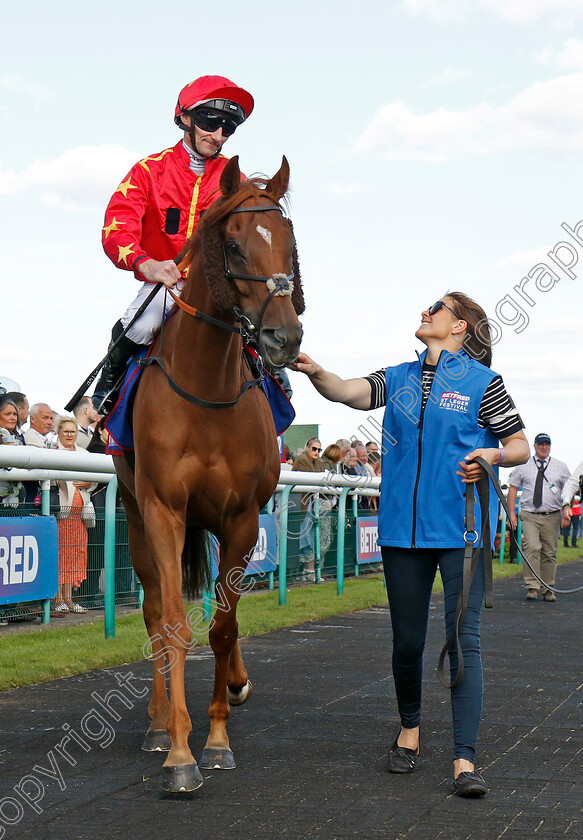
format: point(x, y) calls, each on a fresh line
point(280, 337)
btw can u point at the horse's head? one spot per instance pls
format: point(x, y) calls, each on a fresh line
point(251, 264)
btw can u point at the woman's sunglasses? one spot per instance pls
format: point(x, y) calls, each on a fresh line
point(437, 306)
point(211, 121)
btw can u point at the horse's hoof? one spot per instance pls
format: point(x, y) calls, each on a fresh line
point(217, 758)
point(237, 698)
point(181, 778)
point(158, 740)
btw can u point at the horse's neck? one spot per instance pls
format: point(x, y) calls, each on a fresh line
point(204, 354)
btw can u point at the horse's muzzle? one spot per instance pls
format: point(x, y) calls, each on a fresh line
point(279, 347)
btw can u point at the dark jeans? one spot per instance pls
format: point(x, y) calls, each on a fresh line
point(574, 525)
point(409, 574)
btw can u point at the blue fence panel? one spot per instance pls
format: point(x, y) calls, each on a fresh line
point(29, 558)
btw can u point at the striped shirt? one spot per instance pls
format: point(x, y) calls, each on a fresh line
point(497, 410)
point(556, 476)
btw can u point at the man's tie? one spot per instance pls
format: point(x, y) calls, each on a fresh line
point(537, 499)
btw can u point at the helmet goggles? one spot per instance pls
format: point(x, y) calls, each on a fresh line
point(218, 113)
point(209, 120)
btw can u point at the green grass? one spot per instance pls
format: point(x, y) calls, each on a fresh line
point(35, 657)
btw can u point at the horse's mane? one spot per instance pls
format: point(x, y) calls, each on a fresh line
point(208, 236)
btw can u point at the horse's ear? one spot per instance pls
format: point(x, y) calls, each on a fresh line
point(278, 185)
point(231, 177)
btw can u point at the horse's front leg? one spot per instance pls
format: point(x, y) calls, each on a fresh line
point(156, 738)
point(238, 684)
point(165, 537)
point(229, 668)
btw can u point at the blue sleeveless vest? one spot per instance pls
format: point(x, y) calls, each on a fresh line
point(422, 501)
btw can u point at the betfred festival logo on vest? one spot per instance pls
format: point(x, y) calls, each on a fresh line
point(454, 401)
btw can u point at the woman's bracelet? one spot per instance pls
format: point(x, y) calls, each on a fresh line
point(502, 454)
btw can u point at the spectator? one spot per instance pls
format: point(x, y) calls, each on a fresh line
point(349, 462)
point(330, 458)
point(573, 526)
point(455, 332)
point(344, 445)
point(11, 492)
point(572, 488)
point(308, 461)
point(8, 420)
point(21, 404)
point(542, 479)
point(363, 466)
point(364, 469)
point(85, 416)
point(76, 512)
point(374, 500)
point(158, 206)
point(41, 423)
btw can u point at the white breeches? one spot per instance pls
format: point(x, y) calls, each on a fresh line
point(147, 326)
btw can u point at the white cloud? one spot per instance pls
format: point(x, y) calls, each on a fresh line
point(448, 77)
point(561, 13)
point(516, 264)
point(568, 57)
point(439, 9)
point(18, 84)
point(84, 175)
point(544, 118)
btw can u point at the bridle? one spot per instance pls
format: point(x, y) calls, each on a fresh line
point(277, 285)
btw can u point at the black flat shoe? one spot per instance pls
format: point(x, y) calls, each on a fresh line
point(470, 784)
point(401, 759)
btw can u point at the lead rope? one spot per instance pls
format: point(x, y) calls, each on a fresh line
point(471, 558)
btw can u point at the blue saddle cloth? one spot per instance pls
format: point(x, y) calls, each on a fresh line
point(119, 422)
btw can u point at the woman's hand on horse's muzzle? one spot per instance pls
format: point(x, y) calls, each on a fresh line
point(304, 364)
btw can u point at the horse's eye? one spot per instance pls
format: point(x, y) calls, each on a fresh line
point(232, 249)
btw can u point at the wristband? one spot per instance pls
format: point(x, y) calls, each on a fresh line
point(502, 455)
point(139, 259)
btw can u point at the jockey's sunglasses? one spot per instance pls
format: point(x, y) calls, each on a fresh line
point(211, 121)
point(437, 306)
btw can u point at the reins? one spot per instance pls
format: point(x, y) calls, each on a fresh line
point(280, 285)
point(473, 540)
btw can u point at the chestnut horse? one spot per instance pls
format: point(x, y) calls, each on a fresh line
point(206, 456)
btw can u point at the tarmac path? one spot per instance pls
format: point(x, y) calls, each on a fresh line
point(311, 744)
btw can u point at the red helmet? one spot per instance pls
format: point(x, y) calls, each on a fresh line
point(209, 88)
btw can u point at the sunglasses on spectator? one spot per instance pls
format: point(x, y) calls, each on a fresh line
point(437, 306)
point(316, 448)
point(211, 121)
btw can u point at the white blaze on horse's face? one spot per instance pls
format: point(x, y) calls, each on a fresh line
point(265, 233)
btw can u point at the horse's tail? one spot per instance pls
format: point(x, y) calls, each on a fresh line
point(196, 561)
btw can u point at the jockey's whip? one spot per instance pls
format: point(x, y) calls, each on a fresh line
point(87, 382)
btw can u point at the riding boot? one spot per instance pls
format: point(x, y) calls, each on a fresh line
point(107, 389)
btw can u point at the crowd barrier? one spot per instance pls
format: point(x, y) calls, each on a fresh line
point(332, 536)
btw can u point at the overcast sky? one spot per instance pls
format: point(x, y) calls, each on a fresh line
point(433, 144)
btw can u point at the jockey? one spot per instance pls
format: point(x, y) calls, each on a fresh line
point(157, 207)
